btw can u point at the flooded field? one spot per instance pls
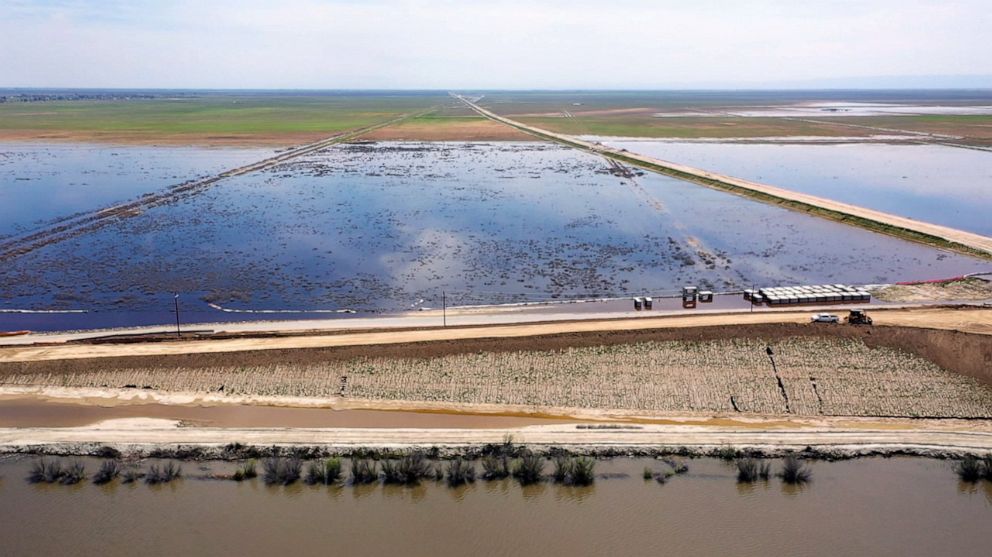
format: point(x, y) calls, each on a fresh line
point(44, 181)
point(898, 506)
point(385, 227)
point(931, 183)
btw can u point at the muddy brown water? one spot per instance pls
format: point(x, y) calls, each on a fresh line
point(899, 506)
point(34, 412)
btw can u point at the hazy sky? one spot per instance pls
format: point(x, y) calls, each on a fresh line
point(488, 44)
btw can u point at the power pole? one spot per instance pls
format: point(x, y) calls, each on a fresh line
point(176, 299)
point(444, 309)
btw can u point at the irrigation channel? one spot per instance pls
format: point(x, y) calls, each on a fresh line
point(909, 229)
point(873, 506)
point(79, 224)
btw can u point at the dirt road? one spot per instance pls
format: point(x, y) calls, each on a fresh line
point(973, 320)
point(886, 438)
point(894, 224)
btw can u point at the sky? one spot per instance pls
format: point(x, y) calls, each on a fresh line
point(495, 44)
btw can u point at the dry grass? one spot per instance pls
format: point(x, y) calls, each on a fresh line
point(820, 376)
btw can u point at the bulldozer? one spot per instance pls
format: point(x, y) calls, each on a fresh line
point(858, 317)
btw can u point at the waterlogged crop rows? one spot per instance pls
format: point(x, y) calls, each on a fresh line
point(818, 377)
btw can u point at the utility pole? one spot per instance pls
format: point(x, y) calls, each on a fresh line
point(176, 299)
point(444, 309)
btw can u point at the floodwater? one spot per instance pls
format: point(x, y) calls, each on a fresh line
point(41, 181)
point(388, 227)
point(898, 506)
point(932, 183)
point(33, 412)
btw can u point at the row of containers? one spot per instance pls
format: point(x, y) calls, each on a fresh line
point(824, 293)
point(690, 295)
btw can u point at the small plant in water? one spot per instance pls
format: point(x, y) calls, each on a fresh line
point(74, 473)
point(583, 471)
point(45, 471)
point(648, 473)
point(528, 469)
point(130, 475)
point(363, 471)
point(495, 468)
point(109, 469)
point(164, 474)
point(245, 471)
point(749, 470)
point(794, 471)
point(460, 472)
point(281, 471)
point(969, 469)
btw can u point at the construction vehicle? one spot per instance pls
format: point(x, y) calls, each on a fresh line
point(858, 317)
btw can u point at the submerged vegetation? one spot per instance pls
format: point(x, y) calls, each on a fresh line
point(795, 471)
point(750, 470)
point(281, 471)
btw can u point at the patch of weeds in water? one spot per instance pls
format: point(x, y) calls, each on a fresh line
point(970, 469)
point(794, 471)
point(163, 474)
point(281, 471)
point(325, 472)
point(108, 471)
point(573, 471)
point(528, 469)
point(245, 471)
point(131, 475)
point(364, 471)
point(460, 472)
point(495, 467)
point(45, 470)
point(750, 470)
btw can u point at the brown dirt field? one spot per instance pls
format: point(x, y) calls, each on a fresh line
point(478, 129)
point(973, 288)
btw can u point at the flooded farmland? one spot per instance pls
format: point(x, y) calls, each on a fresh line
point(932, 183)
point(898, 506)
point(44, 181)
point(386, 227)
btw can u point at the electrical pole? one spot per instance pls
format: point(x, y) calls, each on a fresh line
point(176, 299)
point(444, 309)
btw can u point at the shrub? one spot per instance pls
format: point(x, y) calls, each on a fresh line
point(45, 471)
point(363, 471)
point(987, 467)
point(390, 472)
point(281, 471)
point(749, 470)
point(648, 473)
point(460, 472)
point(332, 470)
point(109, 469)
point(528, 469)
point(74, 473)
point(315, 473)
point(245, 471)
point(131, 475)
point(583, 471)
point(969, 469)
point(794, 471)
point(412, 468)
point(495, 468)
point(164, 474)
point(562, 470)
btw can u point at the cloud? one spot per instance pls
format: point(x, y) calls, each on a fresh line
point(491, 44)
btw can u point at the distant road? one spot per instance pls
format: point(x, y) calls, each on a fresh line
point(87, 222)
point(974, 321)
point(910, 229)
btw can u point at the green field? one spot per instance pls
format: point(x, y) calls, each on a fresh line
point(235, 115)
